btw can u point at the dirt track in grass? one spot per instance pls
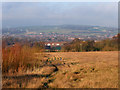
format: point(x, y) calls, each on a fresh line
point(69, 70)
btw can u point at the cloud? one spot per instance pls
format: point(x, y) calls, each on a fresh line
point(19, 14)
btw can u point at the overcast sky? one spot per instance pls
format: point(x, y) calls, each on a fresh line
point(78, 13)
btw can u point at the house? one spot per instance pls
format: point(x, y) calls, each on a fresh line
point(54, 46)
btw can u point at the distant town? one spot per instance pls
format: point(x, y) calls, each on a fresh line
point(61, 33)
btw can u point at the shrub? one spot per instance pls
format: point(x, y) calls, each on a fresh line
point(15, 57)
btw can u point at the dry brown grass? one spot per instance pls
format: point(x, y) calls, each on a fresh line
point(75, 70)
point(16, 58)
point(87, 70)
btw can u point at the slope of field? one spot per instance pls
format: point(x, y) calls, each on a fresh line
point(69, 70)
point(87, 70)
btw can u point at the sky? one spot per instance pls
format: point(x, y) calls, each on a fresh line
point(16, 14)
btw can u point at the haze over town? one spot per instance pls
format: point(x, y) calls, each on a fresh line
point(60, 45)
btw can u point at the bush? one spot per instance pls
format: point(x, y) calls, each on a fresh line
point(16, 57)
point(89, 45)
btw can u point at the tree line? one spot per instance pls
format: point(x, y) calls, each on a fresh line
point(78, 45)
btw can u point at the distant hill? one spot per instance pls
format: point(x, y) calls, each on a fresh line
point(79, 30)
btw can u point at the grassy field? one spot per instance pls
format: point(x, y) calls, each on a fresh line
point(68, 70)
